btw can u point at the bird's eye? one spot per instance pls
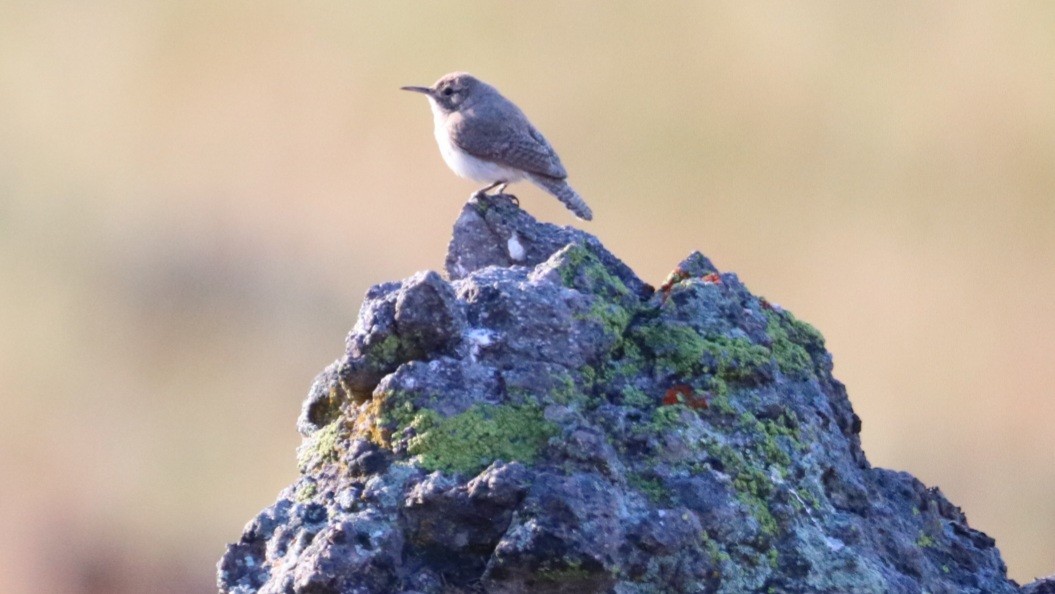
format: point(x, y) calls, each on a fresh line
point(448, 91)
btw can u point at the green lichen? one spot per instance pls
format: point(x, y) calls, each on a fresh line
point(470, 441)
point(613, 318)
point(580, 269)
point(385, 351)
point(784, 426)
point(770, 443)
point(562, 386)
point(803, 334)
point(719, 401)
point(770, 437)
point(791, 358)
point(583, 271)
point(649, 486)
point(665, 418)
point(752, 485)
point(773, 558)
point(792, 342)
point(737, 359)
point(399, 413)
point(566, 391)
point(773, 453)
point(924, 540)
point(762, 451)
point(677, 349)
point(589, 375)
point(680, 351)
point(573, 571)
point(714, 550)
point(637, 398)
point(625, 364)
point(808, 498)
point(630, 356)
point(322, 446)
point(305, 492)
point(753, 489)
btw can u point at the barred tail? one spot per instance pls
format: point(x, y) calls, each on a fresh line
point(564, 193)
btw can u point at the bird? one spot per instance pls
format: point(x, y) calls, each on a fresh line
point(486, 138)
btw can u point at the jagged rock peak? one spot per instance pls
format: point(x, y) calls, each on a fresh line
point(544, 421)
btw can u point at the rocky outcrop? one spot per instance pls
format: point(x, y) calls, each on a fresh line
point(1041, 586)
point(541, 420)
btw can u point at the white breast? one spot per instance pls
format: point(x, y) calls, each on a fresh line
point(464, 164)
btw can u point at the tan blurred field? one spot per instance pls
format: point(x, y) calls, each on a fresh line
point(195, 195)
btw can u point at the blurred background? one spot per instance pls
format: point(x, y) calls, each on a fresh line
point(195, 195)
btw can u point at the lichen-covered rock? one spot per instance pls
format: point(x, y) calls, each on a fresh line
point(544, 421)
point(492, 232)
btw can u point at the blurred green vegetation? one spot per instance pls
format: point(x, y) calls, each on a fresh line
point(195, 195)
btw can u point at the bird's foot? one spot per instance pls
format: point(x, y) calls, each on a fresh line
point(482, 196)
point(482, 192)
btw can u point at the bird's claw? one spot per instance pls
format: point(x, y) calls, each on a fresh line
point(483, 196)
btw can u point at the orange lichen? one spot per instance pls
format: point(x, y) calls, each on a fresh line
point(675, 277)
point(684, 394)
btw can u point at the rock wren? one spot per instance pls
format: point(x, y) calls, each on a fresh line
point(486, 138)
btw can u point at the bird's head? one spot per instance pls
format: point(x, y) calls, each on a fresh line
point(452, 91)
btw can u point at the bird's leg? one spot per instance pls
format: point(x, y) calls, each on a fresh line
point(502, 188)
point(482, 192)
point(501, 185)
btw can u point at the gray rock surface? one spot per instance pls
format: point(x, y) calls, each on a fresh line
point(543, 421)
point(1041, 586)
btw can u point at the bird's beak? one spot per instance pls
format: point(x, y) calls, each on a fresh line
point(424, 90)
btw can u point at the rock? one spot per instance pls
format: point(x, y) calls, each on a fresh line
point(544, 421)
point(495, 232)
point(456, 525)
point(429, 319)
point(1041, 586)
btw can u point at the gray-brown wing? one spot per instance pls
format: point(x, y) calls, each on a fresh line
point(510, 141)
